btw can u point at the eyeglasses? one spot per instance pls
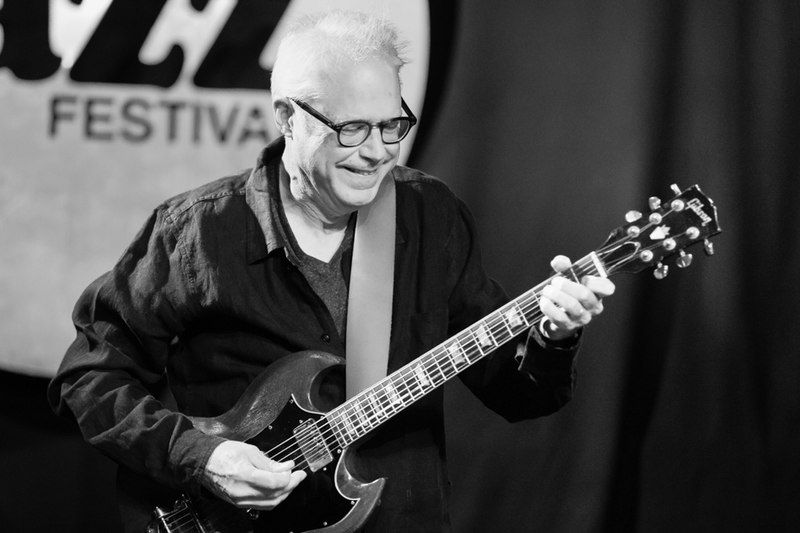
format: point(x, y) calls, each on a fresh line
point(354, 132)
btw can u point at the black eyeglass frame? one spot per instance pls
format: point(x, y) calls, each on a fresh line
point(338, 127)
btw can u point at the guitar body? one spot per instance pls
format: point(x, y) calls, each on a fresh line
point(330, 500)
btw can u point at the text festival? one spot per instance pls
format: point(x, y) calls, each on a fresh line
point(136, 108)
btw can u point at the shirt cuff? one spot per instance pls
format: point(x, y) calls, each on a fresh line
point(190, 453)
point(552, 354)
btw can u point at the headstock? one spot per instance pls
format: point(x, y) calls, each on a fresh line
point(670, 227)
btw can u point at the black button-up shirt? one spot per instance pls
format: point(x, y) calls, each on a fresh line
point(207, 294)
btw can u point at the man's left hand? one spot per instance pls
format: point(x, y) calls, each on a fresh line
point(568, 305)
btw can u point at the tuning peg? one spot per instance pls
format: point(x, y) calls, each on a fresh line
point(661, 271)
point(675, 188)
point(632, 216)
point(654, 202)
point(684, 260)
point(708, 246)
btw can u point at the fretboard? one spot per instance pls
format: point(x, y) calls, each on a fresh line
point(388, 397)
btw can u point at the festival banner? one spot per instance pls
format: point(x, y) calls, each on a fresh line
point(111, 106)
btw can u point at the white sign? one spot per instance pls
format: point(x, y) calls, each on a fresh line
point(111, 106)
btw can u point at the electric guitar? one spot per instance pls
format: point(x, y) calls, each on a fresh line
point(278, 411)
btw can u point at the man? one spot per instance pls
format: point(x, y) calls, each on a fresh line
point(230, 278)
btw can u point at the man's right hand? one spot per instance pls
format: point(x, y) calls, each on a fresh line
point(241, 474)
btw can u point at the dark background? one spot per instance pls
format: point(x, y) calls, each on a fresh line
point(556, 118)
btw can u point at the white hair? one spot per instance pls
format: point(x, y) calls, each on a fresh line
point(317, 46)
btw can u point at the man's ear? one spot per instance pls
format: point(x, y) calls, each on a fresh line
point(283, 114)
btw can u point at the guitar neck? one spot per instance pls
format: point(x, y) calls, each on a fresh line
point(388, 397)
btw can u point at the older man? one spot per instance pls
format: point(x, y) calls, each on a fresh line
point(229, 279)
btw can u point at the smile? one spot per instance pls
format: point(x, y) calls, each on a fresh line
point(361, 172)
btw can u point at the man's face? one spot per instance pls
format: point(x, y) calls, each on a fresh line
point(336, 179)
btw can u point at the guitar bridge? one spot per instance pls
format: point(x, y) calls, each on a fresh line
point(178, 518)
point(312, 445)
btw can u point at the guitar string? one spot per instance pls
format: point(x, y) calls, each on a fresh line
point(406, 378)
point(292, 448)
point(408, 374)
point(403, 378)
point(338, 417)
point(385, 391)
point(466, 341)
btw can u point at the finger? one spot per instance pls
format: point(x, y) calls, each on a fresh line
point(565, 312)
point(601, 287)
point(268, 482)
point(587, 296)
point(560, 263)
point(284, 466)
point(267, 504)
point(297, 477)
point(262, 461)
point(573, 298)
point(555, 313)
point(270, 499)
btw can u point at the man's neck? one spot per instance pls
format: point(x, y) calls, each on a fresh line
point(317, 235)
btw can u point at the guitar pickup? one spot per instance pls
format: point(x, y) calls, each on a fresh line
point(312, 445)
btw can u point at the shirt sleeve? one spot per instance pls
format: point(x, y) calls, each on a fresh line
point(125, 323)
point(525, 378)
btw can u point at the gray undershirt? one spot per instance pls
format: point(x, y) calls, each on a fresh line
point(327, 278)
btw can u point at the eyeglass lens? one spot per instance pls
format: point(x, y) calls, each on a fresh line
point(392, 131)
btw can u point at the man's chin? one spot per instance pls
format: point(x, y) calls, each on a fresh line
point(361, 193)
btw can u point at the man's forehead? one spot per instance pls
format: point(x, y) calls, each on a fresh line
point(361, 87)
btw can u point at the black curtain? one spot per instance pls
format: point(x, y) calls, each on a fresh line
point(557, 118)
point(561, 116)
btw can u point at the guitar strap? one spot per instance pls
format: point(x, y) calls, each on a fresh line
point(369, 304)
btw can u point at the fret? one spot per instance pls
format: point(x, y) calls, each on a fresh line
point(531, 303)
point(571, 272)
point(515, 318)
point(392, 394)
point(349, 427)
point(379, 403)
point(411, 384)
point(358, 409)
point(347, 424)
point(439, 368)
point(469, 345)
point(374, 406)
point(450, 368)
point(385, 401)
point(457, 355)
point(505, 325)
point(421, 376)
point(329, 435)
point(445, 357)
point(483, 338)
point(335, 426)
point(498, 328)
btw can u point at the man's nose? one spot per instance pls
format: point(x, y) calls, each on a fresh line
point(374, 147)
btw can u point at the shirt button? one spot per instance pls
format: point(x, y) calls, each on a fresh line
point(325, 338)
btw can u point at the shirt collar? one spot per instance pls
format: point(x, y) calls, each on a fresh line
point(263, 198)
